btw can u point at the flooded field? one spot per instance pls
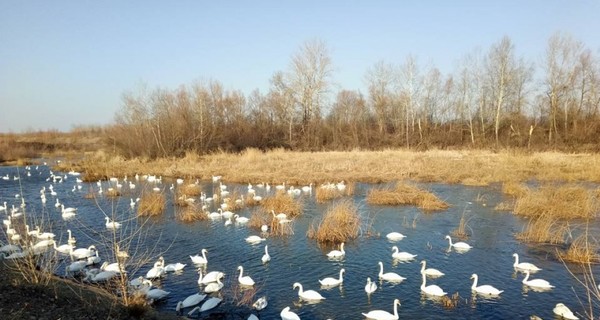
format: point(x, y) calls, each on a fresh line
point(295, 258)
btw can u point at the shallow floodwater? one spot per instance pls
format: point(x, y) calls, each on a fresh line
point(298, 259)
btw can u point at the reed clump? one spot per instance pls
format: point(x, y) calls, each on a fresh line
point(340, 223)
point(234, 202)
point(582, 250)
point(181, 200)
point(406, 194)
point(330, 191)
point(515, 189)
point(112, 192)
point(190, 190)
point(282, 202)
point(461, 231)
point(505, 206)
point(277, 227)
point(151, 204)
point(560, 202)
point(191, 213)
point(544, 229)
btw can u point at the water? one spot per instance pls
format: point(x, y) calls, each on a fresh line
point(298, 259)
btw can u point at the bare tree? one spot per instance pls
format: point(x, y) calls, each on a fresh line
point(500, 66)
point(380, 81)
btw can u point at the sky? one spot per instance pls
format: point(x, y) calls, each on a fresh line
point(68, 63)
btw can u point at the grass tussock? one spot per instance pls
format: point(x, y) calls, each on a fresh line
point(406, 194)
point(515, 189)
point(582, 250)
point(112, 192)
point(330, 191)
point(190, 190)
point(191, 213)
point(282, 202)
point(234, 202)
point(151, 204)
point(339, 224)
point(562, 202)
point(544, 229)
point(276, 227)
point(461, 231)
point(505, 206)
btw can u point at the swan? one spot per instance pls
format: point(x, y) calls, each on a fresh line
point(337, 253)
point(214, 286)
point(115, 267)
point(67, 210)
point(241, 220)
point(112, 224)
point(431, 290)
point(395, 236)
point(266, 257)
point(190, 301)
point(210, 277)
point(308, 294)
point(226, 214)
point(214, 215)
point(286, 314)
point(524, 265)
point(197, 259)
point(536, 283)
point(71, 239)
point(332, 282)
point(370, 287)
point(279, 216)
point(95, 259)
point(57, 204)
point(485, 289)
point(430, 271)
point(563, 311)
point(100, 277)
point(210, 303)
point(228, 222)
point(260, 304)
point(157, 271)
point(156, 294)
point(174, 267)
point(389, 276)
point(83, 253)
point(140, 283)
point(401, 255)
point(459, 245)
point(254, 239)
point(76, 266)
point(264, 228)
point(384, 315)
point(45, 235)
point(64, 249)
point(245, 281)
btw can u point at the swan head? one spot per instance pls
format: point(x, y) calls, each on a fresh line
point(423, 262)
point(204, 251)
point(296, 285)
point(380, 264)
point(474, 276)
point(448, 237)
point(92, 247)
point(395, 249)
point(397, 302)
point(240, 268)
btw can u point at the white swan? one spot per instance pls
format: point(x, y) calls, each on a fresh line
point(266, 257)
point(524, 265)
point(563, 311)
point(241, 220)
point(115, 267)
point(157, 271)
point(389, 276)
point(459, 245)
point(395, 236)
point(112, 224)
point(214, 286)
point(279, 216)
point(190, 301)
point(44, 235)
point(383, 315)
point(66, 210)
point(286, 314)
point(100, 277)
point(402, 255)
point(430, 271)
point(332, 282)
point(264, 228)
point(210, 303)
point(174, 267)
point(210, 277)
point(308, 294)
point(244, 280)
point(485, 289)
point(260, 304)
point(197, 259)
point(431, 290)
point(64, 249)
point(156, 294)
point(336, 254)
point(72, 239)
point(83, 253)
point(76, 266)
point(370, 287)
point(536, 283)
point(254, 239)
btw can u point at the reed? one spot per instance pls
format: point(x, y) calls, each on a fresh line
point(560, 202)
point(340, 223)
point(505, 206)
point(190, 190)
point(112, 192)
point(583, 250)
point(191, 213)
point(151, 204)
point(282, 202)
point(543, 229)
point(261, 217)
point(405, 194)
point(515, 189)
point(329, 191)
point(461, 231)
point(234, 202)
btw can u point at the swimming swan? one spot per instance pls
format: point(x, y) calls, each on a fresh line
point(111, 224)
point(389, 276)
point(311, 295)
point(370, 287)
point(197, 259)
point(563, 311)
point(431, 290)
point(337, 253)
point(332, 282)
point(214, 286)
point(536, 283)
point(190, 301)
point(244, 280)
point(286, 314)
point(485, 289)
point(459, 245)
point(395, 236)
point(383, 315)
point(266, 257)
point(524, 265)
point(401, 255)
point(430, 271)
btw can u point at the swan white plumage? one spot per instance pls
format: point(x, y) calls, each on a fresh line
point(241, 220)
point(71, 239)
point(111, 224)
point(115, 266)
point(76, 266)
point(190, 301)
point(197, 259)
point(64, 249)
point(370, 287)
point(536, 283)
point(209, 277)
point(210, 303)
point(254, 239)
point(389, 276)
point(308, 294)
point(264, 228)
point(458, 245)
point(157, 271)
point(286, 314)
point(332, 282)
point(83, 253)
point(279, 216)
point(401, 255)
point(563, 311)
point(395, 236)
point(174, 267)
point(485, 289)
point(266, 257)
point(260, 304)
point(431, 290)
point(384, 315)
point(524, 265)
point(430, 271)
point(101, 276)
point(214, 286)
point(244, 280)
point(157, 294)
point(337, 253)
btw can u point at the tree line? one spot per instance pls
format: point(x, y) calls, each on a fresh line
point(494, 99)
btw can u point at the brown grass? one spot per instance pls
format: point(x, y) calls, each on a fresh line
point(560, 202)
point(282, 202)
point(190, 190)
point(191, 214)
point(340, 223)
point(461, 231)
point(583, 250)
point(262, 217)
point(329, 191)
point(112, 192)
point(505, 206)
point(232, 203)
point(151, 204)
point(406, 194)
point(543, 229)
point(515, 189)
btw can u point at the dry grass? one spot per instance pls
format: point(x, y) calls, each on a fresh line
point(583, 250)
point(191, 214)
point(261, 217)
point(151, 204)
point(562, 202)
point(330, 191)
point(515, 189)
point(190, 190)
point(234, 201)
point(544, 229)
point(340, 223)
point(505, 206)
point(406, 194)
point(461, 231)
point(282, 202)
point(112, 192)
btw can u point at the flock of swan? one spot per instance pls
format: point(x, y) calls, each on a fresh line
point(85, 261)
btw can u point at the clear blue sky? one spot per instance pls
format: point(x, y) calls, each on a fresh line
point(65, 63)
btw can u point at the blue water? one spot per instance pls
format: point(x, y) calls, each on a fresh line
point(298, 259)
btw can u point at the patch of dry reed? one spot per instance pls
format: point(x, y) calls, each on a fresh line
point(282, 202)
point(562, 202)
point(112, 192)
point(190, 190)
point(515, 189)
point(406, 194)
point(151, 204)
point(234, 202)
point(340, 223)
point(583, 250)
point(461, 231)
point(505, 206)
point(277, 228)
point(330, 191)
point(543, 229)
point(191, 213)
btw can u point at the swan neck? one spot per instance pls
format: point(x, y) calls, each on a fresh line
point(474, 286)
point(395, 309)
point(423, 284)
